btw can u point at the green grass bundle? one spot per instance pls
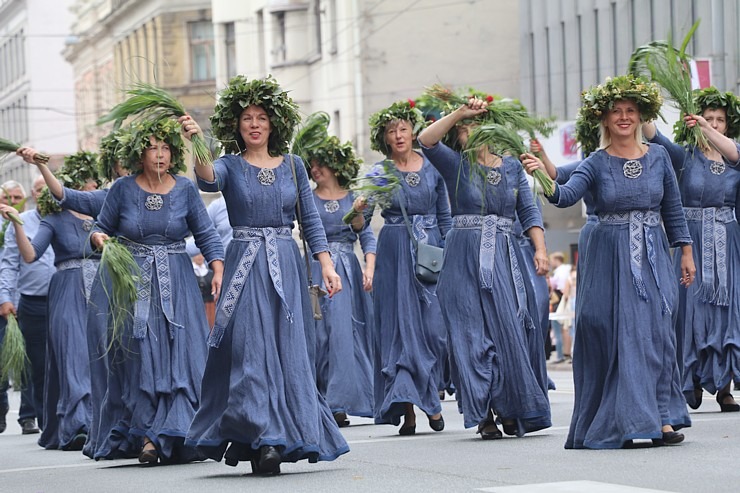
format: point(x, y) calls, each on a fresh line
point(124, 274)
point(149, 101)
point(503, 139)
point(13, 358)
point(7, 147)
point(312, 134)
point(671, 70)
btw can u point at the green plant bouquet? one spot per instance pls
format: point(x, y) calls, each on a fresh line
point(377, 186)
point(7, 147)
point(671, 70)
point(13, 358)
point(134, 142)
point(503, 139)
point(398, 111)
point(311, 134)
point(598, 100)
point(77, 169)
point(501, 111)
point(712, 98)
point(149, 102)
point(241, 93)
point(124, 274)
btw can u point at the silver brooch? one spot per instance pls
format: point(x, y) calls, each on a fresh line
point(331, 206)
point(413, 179)
point(717, 167)
point(87, 225)
point(493, 177)
point(154, 202)
point(632, 168)
point(266, 176)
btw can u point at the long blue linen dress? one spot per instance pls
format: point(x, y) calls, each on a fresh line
point(90, 203)
point(154, 379)
point(67, 405)
point(561, 177)
point(707, 328)
point(345, 335)
point(487, 296)
point(626, 377)
point(412, 338)
point(259, 387)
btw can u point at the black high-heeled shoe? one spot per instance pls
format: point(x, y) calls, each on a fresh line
point(727, 408)
point(437, 424)
point(269, 462)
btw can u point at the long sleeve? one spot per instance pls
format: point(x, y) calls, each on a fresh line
point(444, 159)
point(108, 218)
point(527, 212)
point(579, 183)
point(9, 268)
point(671, 210)
point(367, 239)
point(221, 173)
point(313, 230)
point(88, 203)
point(201, 226)
point(562, 173)
point(42, 239)
point(444, 216)
point(676, 152)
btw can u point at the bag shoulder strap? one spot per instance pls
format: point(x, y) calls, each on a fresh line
point(300, 220)
point(406, 220)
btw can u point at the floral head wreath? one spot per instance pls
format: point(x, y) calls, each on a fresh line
point(712, 98)
point(136, 141)
point(77, 169)
point(110, 154)
point(338, 157)
point(598, 100)
point(238, 95)
point(398, 111)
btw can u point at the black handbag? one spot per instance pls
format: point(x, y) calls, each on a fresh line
point(429, 258)
point(315, 291)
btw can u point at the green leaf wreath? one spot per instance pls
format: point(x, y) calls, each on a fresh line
point(77, 169)
point(134, 142)
point(712, 98)
point(398, 111)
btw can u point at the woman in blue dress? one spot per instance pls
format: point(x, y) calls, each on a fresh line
point(89, 203)
point(67, 406)
point(708, 335)
point(626, 377)
point(260, 402)
point(486, 300)
point(412, 339)
point(345, 334)
point(154, 373)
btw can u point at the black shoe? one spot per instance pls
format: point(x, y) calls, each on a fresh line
point(669, 438)
point(341, 419)
point(698, 393)
point(737, 386)
point(77, 443)
point(28, 427)
point(441, 395)
point(148, 456)
point(407, 430)
point(510, 427)
point(489, 431)
point(727, 408)
point(437, 424)
point(3, 421)
point(270, 460)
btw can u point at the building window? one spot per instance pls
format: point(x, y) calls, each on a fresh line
point(333, 27)
point(230, 49)
point(279, 39)
point(202, 60)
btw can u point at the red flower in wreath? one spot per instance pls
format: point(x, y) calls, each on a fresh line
point(489, 98)
point(412, 103)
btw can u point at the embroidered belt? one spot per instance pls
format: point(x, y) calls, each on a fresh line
point(419, 224)
point(155, 257)
point(254, 238)
point(714, 251)
point(490, 226)
point(640, 222)
point(89, 267)
point(341, 250)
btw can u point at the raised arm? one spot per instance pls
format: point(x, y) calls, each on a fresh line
point(190, 128)
point(676, 152)
point(434, 132)
point(28, 154)
point(726, 146)
point(536, 148)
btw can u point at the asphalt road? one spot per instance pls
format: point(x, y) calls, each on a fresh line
point(380, 460)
